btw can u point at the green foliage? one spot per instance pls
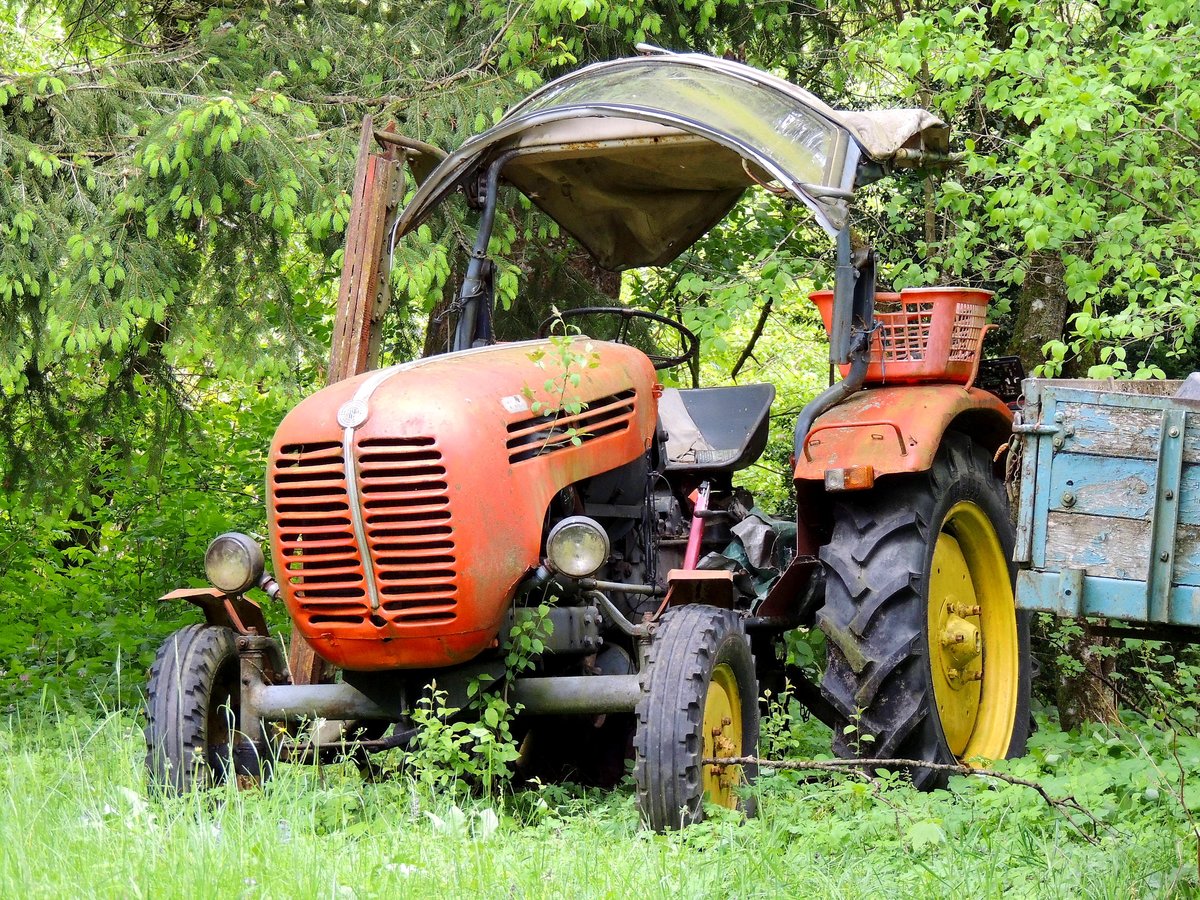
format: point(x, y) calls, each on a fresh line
point(178, 203)
point(1080, 136)
point(74, 792)
point(454, 755)
point(78, 621)
point(459, 752)
point(564, 365)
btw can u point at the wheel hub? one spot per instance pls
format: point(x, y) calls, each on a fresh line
point(722, 734)
point(961, 641)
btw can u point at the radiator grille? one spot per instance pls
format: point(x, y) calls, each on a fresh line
point(407, 515)
point(316, 534)
point(541, 434)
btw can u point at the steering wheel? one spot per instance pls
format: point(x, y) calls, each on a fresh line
point(627, 318)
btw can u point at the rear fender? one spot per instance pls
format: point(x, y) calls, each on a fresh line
point(898, 429)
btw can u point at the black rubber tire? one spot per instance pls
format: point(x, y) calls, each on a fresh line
point(875, 616)
point(192, 705)
point(688, 646)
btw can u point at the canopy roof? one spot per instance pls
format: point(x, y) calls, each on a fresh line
point(637, 158)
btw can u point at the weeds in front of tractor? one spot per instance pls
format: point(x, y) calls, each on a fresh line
point(76, 806)
point(456, 756)
point(77, 809)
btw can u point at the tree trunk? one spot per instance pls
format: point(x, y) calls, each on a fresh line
point(1083, 696)
point(1042, 314)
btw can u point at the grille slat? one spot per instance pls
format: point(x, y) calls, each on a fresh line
point(413, 497)
point(541, 435)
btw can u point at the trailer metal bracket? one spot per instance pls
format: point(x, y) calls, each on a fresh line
point(1165, 518)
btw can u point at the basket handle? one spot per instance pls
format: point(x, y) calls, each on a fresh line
point(983, 332)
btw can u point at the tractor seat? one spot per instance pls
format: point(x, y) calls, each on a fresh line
point(722, 429)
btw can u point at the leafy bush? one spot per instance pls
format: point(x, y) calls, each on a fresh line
point(78, 618)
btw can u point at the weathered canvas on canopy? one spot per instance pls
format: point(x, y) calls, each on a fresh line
point(639, 157)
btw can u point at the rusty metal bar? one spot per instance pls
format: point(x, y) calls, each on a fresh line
point(362, 298)
point(578, 694)
point(411, 144)
point(274, 703)
point(365, 265)
point(563, 695)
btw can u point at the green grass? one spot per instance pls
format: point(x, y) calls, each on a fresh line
point(75, 821)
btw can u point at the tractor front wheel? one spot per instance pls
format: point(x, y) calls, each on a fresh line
point(928, 657)
point(699, 701)
point(193, 701)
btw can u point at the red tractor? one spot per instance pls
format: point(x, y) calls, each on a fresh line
point(417, 512)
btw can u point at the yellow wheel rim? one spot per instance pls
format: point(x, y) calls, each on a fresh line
point(974, 654)
point(722, 733)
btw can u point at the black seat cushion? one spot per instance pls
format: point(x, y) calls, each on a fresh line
point(715, 429)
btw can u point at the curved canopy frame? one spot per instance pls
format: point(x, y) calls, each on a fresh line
point(639, 157)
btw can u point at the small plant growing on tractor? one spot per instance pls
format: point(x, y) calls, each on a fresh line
point(422, 513)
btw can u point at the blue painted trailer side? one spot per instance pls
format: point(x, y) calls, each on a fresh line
point(1108, 510)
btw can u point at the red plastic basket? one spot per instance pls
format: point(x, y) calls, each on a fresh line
point(922, 334)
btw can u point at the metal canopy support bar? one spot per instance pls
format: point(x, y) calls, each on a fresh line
point(843, 293)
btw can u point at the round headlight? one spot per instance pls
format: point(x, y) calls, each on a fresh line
point(233, 562)
point(577, 546)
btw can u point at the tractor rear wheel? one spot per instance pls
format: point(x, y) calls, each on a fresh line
point(193, 701)
point(928, 658)
point(699, 700)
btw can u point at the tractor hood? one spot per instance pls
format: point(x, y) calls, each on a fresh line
point(637, 158)
point(406, 504)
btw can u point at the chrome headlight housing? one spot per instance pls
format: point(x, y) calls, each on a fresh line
point(577, 546)
point(233, 562)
